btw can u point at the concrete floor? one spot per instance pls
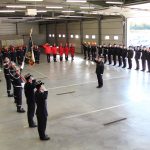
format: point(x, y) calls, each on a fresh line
point(76, 120)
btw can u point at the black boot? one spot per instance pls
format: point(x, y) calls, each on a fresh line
point(20, 110)
point(10, 94)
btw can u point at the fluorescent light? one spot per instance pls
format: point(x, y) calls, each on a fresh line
point(77, 1)
point(66, 11)
point(114, 2)
point(16, 6)
point(54, 7)
point(6, 11)
point(107, 37)
point(30, 0)
point(41, 11)
point(87, 7)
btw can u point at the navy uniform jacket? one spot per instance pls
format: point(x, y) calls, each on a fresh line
point(29, 92)
point(40, 99)
point(99, 67)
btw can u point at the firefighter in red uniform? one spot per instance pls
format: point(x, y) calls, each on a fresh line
point(66, 51)
point(48, 51)
point(72, 50)
point(54, 51)
point(61, 51)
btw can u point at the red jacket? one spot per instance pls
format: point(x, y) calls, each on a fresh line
point(61, 50)
point(54, 50)
point(72, 50)
point(47, 48)
point(66, 50)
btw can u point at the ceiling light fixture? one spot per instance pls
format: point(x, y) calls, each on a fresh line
point(7, 11)
point(76, 1)
point(16, 6)
point(87, 7)
point(30, 0)
point(68, 11)
point(114, 2)
point(54, 7)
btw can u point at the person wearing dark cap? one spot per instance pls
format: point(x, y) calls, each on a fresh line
point(29, 94)
point(99, 70)
point(6, 65)
point(41, 95)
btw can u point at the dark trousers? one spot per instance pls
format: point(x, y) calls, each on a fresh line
point(89, 53)
point(54, 57)
point(18, 96)
point(109, 59)
point(137, 63)
point(66, 57)
point(105, 58)
point(120, 61)
point(61, 58)
point(148, 65)
point(114, 59)
point(124, 62)
point(30, 113)
point(1, 62)
point(130, 63)
point(84, 51)
point(100, 80)
point(48, 58)
point(8, 83)
point(42, 120)
point(143, 64)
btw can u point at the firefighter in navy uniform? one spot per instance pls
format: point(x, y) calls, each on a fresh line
point(114, 53)
point(109, 54)
point(99, 70)
point(124, 56)
point(30, 99)
point(130, 56)
point(17, 81)
point(143, 58)
point(105, 51)
point(41, 95)
point(6, 67)
point(148, 59)
point(84, 45)
point(120, 55)
point(137, 56)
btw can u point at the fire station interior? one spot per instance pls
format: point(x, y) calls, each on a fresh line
point(80, 116)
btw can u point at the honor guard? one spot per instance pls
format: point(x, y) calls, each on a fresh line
point(41, 95)
point(72, 51)
point(99, 71)
point(137, 56)
point(17, 81)
point(105, 53)
point(109, 54)
point(61, 51)
point(124, 56)
point(66, 51)
point(119, 55)
point(84, 45)
point(6, 67)
point(143, 58)
point(130, 56)
point(30, 99)
point(54, 51)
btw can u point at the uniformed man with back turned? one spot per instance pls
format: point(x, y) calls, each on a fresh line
point(29, 94)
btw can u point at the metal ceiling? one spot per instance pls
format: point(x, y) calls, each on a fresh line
point(100, 8)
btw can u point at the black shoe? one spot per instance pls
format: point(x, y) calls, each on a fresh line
point(142, 70)
point(123, 67)
point(129, 68)
point(10, 95)
point(99, 86)
point(148, 71)
point(21, 110)
point(33, 126)
point(137, 69)
point(45, 138)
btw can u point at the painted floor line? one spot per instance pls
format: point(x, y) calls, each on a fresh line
point(59, 87)
point(95, 111)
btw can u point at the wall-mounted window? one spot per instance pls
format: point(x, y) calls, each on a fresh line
point(63, 35)
point(76, 36)
point(93, 36)
point(107, 37)
point(87, 36)
point(59, 35)
point(50, 35)
point(116, 37)
point(71, 36)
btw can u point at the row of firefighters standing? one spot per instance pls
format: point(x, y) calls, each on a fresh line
point(119, 53)
point(54, 50)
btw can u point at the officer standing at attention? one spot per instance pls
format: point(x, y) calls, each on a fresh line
point(6, 66)
point(29, 94)
point(41, 95)
point(99, 70)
